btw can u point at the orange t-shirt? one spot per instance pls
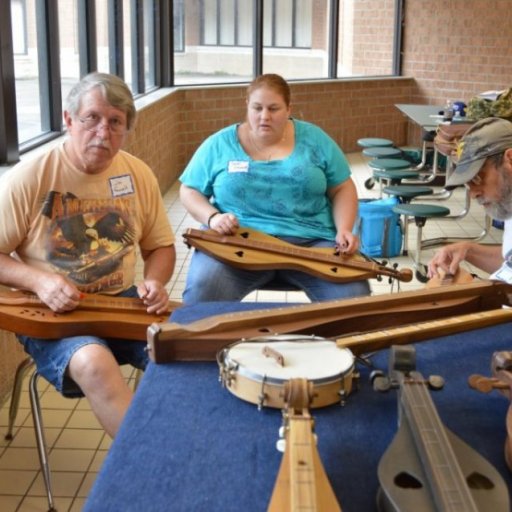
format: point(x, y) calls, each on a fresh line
point(87, 227)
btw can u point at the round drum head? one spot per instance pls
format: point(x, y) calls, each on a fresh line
point(316, 359)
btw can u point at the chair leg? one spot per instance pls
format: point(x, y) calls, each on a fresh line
point(405, 249)
point(138, 375)
point(22, 369)
point(421, 269)
point(40, 439)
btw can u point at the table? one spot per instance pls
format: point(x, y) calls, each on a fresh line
point(188, 444)
point(426, 116)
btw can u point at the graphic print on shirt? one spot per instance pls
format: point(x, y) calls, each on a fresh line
point(88, 238)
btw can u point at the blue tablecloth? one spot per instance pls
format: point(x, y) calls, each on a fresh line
point(188, 444)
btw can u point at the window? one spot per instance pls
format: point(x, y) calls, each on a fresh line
point(54, 43)
point(19, 27)
point(288, 23)
point(295, 40)
point(179, 26)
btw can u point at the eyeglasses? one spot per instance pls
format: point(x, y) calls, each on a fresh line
point(92, 123)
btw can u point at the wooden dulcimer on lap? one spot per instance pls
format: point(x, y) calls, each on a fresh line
point(201, 340)
point(253, 250)
point(302, 483)
point(427, 467)
point(98, 315)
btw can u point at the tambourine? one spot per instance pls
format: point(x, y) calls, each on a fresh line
point(256, 369)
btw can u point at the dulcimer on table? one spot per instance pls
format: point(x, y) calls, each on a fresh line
point(201, 340)
point(501, 365)
point(427, 468)
point(253, 250)
point(98, 315)
point(302, 483)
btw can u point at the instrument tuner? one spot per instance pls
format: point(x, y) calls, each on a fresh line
point(380, 381)
point(435, 382)
point(501, 361)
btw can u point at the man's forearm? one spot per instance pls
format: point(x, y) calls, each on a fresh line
point(159, 264)
point(486, 257)
point(17, 274)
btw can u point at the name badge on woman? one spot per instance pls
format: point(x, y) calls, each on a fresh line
point(238, 166)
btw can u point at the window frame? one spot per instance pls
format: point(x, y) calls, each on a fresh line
point(162, 56)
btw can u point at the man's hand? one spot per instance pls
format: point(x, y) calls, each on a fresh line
point(447, 259)
point(57, 293)
point(154, 296)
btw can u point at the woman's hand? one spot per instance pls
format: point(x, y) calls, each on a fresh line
point(224, 223)
point(347, 242)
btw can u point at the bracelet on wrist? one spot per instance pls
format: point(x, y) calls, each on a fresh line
point(211, 217)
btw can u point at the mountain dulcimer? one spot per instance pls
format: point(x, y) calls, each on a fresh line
point(98, 315)
point(427, 467)
point(302, 483)
point(501, 380)
point(201, 340)
point(253, 250)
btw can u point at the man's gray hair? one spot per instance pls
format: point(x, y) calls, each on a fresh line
point(113, 88)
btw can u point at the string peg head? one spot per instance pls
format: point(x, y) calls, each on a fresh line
point(435, 382)
point(380, 381)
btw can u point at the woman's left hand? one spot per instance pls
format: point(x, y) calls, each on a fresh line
point(347, 242)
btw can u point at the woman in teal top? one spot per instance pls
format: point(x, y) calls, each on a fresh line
point(281, 176)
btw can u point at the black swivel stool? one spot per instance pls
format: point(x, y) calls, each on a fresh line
point(420, 212)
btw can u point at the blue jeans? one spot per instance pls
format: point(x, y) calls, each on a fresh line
point(52, 356)
point(210, 280)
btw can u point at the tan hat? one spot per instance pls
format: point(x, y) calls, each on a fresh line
point(485, 138)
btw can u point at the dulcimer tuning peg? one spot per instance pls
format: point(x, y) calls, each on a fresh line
point(379, 381)
point(435, 382)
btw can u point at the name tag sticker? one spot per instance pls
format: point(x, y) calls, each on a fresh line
point(121, 185)
point(238, 166)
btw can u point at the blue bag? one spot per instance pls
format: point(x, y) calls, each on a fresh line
point(379, 228)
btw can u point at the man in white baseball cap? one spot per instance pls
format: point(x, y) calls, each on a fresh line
point(485, 166)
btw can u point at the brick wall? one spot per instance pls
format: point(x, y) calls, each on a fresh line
point(169, 131)
point(457, 48)
point(452, 49)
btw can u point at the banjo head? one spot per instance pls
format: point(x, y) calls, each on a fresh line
point(252, 370)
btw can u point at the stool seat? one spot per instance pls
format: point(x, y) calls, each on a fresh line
point(408, 192)
point(385, 152)
point(423, 211)
point(394, 177)
point(372, 142)
point(390, 164)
